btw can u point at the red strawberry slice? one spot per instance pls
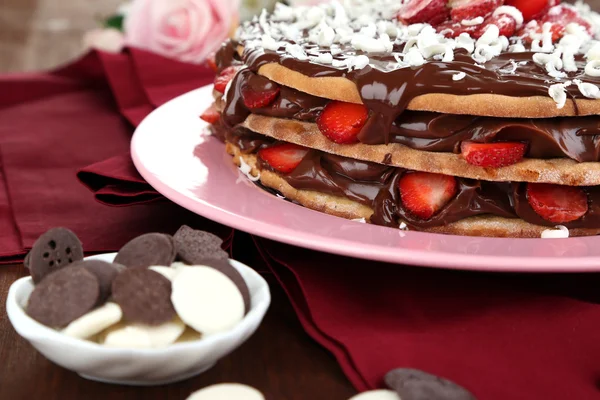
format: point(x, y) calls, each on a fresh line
point(556, 203)
point(341, 122)
point(424, 194)
point(493, 155)
point(452, 29)
point(283, 157)
point(535, 27)
point(211, 115)
point(212, 62)
point(505, 23)
point(259, 92)
point(559, 17)
point(470, 9)
point(532, 9)
point(564, 15)
point(427, 11)
point(224, 77)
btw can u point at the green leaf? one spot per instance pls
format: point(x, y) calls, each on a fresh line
point(115, 21)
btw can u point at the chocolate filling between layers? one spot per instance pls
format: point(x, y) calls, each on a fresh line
point(575, 138)
point(376, 185)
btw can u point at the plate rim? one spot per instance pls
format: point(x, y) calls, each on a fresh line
point(401, 256)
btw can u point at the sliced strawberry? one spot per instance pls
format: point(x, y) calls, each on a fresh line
point(470, 9)
point(211, 115)
point(211, 62)
point(341, 122)
point(283, 157)
point(493, 155)
point(432, 12)
point(259, 92)
point(224, 78)
point(556, 203)
point(424, 194)
point(452, 29)
point(564, 15)
point(559, 17)
point(544, 11)
point(505, 23)
point(532, 9)
point(534, 27)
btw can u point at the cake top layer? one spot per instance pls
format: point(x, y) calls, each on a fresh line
point(457, 48)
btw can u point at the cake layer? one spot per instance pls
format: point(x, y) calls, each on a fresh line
point(560, 171)
point(360, 52)
point(511, 101)
point(574, 138)
point(478, 225)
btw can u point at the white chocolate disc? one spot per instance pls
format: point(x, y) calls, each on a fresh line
point(140, 336)
point(227, 391)
point(207, 300)
point(94, 322)
point(167, 272)
point(377, 395)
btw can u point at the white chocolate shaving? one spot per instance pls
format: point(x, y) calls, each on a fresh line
point(592, 68)
point(511, 11)
point(472, 22)
point(558, 92)
point(459, 76)
point(561, 232)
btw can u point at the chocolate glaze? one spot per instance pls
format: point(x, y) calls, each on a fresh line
point(249, 142)
point(376, 185)
point(387, 93)
point(575, 138)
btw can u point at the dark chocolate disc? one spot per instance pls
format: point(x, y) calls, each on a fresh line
point(144, 296)
point(54, 250)
point(104, 272)
point(194, 246)
point(147, 250)
point(63, 296)
point(413, 384)
point(229, 270)
point(26, 260)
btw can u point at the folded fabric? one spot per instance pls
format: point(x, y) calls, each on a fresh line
point(55, 125)
point(116, 182)
point(499, 336)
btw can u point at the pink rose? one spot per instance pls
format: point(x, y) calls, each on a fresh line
point(187, 30)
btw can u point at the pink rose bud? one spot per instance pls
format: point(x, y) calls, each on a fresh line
point(187, 30)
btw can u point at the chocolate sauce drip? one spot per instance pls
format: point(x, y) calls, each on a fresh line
point(249, 142)
point(376, 186)
point(227, 55)
point(387, 93)
point(575, 138)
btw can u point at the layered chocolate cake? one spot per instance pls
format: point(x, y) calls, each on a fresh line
point(469, 117)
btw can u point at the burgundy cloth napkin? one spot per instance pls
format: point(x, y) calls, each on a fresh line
point(54, 124)
point(500, 336)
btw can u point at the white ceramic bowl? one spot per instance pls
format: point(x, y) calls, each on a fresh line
point(136, 366)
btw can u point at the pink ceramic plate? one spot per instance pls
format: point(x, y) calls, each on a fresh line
point(173, 154)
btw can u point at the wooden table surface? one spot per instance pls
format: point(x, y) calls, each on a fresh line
point(280, 359)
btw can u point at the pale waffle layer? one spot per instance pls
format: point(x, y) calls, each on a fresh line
point(560, 171)
point(488, 226)
point(491, 105)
